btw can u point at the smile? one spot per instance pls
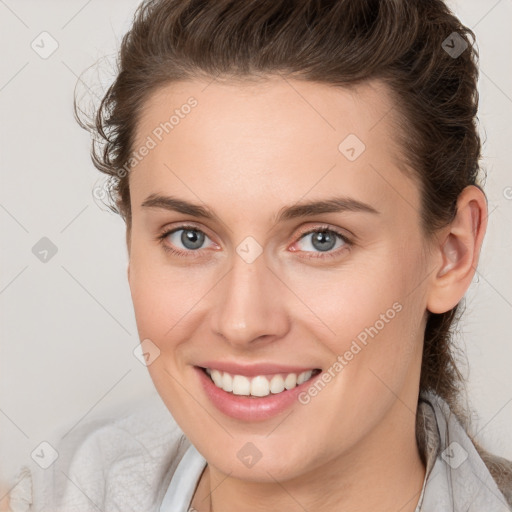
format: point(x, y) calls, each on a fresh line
point(260, 385)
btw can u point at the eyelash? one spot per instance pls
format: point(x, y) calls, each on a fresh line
point(320, 229)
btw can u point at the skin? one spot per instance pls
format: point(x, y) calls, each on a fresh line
point(246, 151)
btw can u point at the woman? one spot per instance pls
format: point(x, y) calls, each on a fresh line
point(300, 186)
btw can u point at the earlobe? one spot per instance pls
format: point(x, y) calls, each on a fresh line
point(458, 251)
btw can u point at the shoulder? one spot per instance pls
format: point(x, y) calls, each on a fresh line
point(111, 462)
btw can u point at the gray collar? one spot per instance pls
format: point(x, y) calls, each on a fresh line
point(457, 478)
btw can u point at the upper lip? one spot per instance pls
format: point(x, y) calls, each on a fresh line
point(252, 370)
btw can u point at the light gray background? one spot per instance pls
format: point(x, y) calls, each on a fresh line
point(67, 326)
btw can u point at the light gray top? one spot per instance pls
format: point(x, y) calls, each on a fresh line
point(143, 461)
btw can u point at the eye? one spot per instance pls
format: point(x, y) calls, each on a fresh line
point(323, 240)
point(190, 237)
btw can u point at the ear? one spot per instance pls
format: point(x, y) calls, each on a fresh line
point(457, 251)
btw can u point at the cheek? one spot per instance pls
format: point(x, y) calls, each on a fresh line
point(163, 306)
point(348, 299)
point(150, 302)
point(369, 315)
point(162, 295)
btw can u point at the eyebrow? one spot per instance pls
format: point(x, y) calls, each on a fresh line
point(304, 209)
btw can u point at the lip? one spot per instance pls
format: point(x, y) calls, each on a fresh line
point(251, 409)
point(253, 370)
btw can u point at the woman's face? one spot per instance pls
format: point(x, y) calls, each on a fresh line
point(250, 284)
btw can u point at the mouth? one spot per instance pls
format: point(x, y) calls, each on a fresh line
point(258, 386)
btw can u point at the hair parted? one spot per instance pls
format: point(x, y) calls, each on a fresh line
point(336, 42)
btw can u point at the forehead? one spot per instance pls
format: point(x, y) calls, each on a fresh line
point(273, 138)
point(284, 109)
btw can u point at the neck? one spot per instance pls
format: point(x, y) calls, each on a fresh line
point(382, 472)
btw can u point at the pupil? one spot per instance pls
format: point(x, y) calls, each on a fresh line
point(325, 241)
point(192, 239)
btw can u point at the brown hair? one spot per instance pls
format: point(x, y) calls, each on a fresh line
point(408, 44)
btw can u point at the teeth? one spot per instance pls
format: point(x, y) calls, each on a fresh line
point(227, 382)
point(290, 381)
point(277, 384)
point(241, 384)
point(303, 377)
point(260, 386)
point(257, 386)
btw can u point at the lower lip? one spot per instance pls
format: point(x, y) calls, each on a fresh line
point(247, 408)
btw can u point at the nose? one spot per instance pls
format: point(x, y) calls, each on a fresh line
point(250, 305)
